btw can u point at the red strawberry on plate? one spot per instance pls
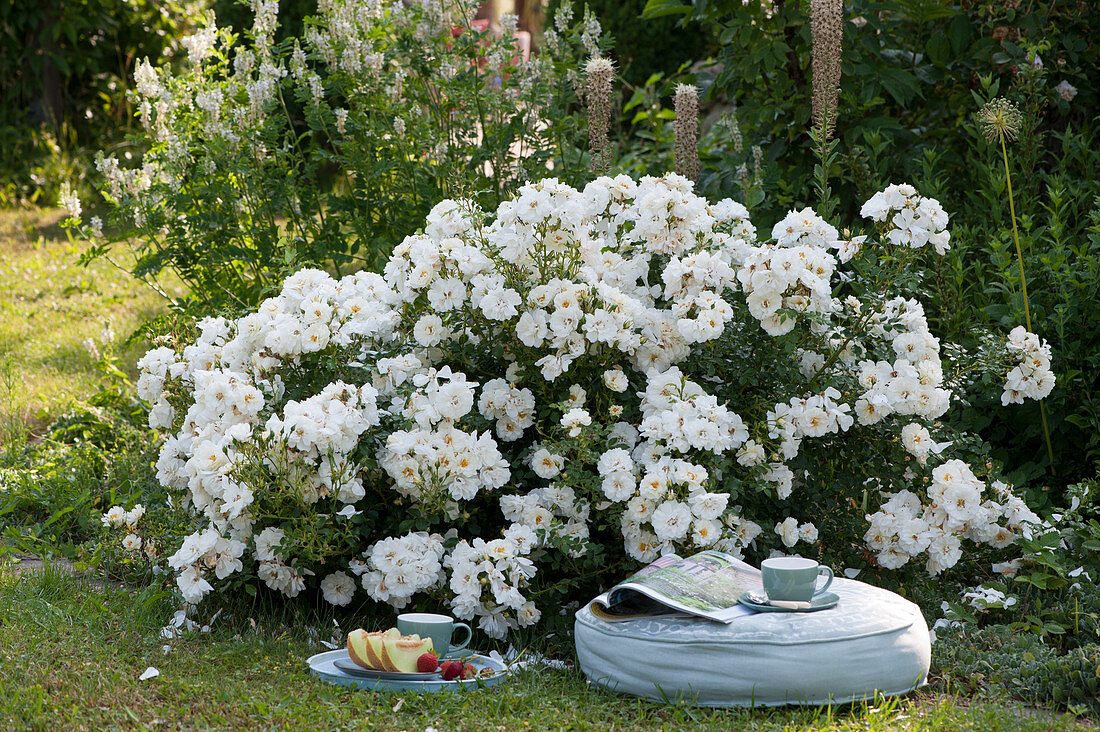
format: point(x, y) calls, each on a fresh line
point(451, 670)
point(427, 663)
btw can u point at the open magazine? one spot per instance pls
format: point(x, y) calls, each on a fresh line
point(707, 584)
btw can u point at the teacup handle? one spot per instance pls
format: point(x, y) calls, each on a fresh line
point(466, 642)
point(828, 581)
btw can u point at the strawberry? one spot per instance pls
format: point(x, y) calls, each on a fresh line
point(427, 663)
point(468, 672)
point(451, 670)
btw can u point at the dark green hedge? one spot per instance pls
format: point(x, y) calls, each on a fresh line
point(64, 68)
point(642, 47)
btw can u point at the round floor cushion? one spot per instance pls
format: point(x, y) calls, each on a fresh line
point(872, 641)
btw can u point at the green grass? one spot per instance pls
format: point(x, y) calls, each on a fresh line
point(49, 306)
point(71, 653)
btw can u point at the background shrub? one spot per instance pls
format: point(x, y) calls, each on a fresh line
point(327, 150)
point(643, 48)
point(53, 492)
point(909, 70)
point(914, 75)
point(999, 661)
point(64, 72)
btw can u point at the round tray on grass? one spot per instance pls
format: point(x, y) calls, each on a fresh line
point(323, 666)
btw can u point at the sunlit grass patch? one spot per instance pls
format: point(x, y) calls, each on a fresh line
point(50, 306)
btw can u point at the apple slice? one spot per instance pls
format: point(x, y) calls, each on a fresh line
point(402, 653)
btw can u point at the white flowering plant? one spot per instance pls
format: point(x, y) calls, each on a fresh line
point(524, 404)
point(1048, 587)
point(262, 157)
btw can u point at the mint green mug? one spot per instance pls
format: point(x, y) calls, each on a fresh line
point(440, 628)
point(793, 578)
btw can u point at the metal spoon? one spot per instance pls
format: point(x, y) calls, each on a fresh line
point(760, 598)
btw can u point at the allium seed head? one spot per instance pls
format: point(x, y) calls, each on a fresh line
point(1000, 119)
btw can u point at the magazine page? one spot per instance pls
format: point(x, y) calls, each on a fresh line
point(707, 584)
point(631, 605)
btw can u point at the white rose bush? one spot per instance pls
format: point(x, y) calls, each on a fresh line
point(529, 402)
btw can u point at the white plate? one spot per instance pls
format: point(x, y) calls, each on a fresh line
point(351, 667)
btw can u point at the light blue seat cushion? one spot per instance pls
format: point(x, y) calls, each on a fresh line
point(872, 641)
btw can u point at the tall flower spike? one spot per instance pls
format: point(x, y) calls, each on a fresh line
point(686, 104)
point(826, 33)
point(1000, 121)
point(735, 131)
point(599, 72)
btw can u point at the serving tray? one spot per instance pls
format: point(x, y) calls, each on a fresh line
point(324, 667)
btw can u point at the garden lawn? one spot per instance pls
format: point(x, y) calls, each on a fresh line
point(49, 306)
point(71, 653)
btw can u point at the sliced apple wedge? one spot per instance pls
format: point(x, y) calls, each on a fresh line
point(401, 653)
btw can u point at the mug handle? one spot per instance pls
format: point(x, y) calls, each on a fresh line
point(466, 642)
point(829, 579)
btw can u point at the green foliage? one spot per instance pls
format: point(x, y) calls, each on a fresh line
point(54, 491)
point(329, 149)
point(825, 151)
point(644, 47)
point(1062, 256)
point(998, 660)
point(909, 70)
point(63, 76)
point(1063, 266)
point(1056, 580)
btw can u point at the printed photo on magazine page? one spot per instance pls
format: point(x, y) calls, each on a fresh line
point(707, 584)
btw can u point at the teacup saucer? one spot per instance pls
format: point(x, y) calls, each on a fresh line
point(824, 601)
